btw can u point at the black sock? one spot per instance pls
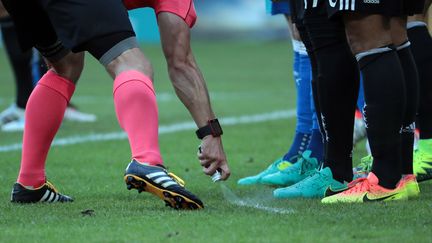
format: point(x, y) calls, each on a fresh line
point(411, 91)
point(314, 67)
point(421, 47)
point(314, 86)
point(20, 62)
point(337, 93)
point(337, 85)
point(384, 109)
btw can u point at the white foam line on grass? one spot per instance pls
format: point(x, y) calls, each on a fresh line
point(232, 198)
point(164, 129)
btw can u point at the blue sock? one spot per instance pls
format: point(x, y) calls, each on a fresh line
point(316, 145)
point(360, 100)
point(299, 145)
point(35, 65)
point(303, 85)
point(302, 76)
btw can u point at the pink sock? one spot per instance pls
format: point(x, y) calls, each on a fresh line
point(136, 108)
point(43, 116)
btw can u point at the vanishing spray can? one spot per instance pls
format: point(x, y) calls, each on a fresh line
point(217, 175)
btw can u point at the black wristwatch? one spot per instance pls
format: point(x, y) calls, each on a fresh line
point(212, 128)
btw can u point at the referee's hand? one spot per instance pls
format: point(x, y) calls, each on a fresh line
point(212, 157)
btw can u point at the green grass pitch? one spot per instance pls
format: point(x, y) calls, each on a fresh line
point(244, 79)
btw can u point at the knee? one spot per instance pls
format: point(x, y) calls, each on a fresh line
point(136, 60)
point(142, 65)
point(69, 67)
point(361, 41)
point(357, 43)
point(398, 31)
point(132, 59)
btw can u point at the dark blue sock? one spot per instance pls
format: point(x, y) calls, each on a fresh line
point(302, 75)
point(316, 145)
point(360, 100)
point(299, 145)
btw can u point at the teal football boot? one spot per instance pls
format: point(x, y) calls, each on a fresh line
point(318, 185)
point(277, 165)
point(303, 168)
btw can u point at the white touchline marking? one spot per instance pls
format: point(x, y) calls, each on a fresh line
point(163, 129)
point(169, 97)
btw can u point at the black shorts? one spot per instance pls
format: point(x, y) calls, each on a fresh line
point(315, 9)
point(390, 8)
point(412, 7)
point(321, 30)
point(42, 23)
point(297, 11)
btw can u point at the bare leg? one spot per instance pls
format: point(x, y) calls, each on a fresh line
point(132, 59)
point(367, 32)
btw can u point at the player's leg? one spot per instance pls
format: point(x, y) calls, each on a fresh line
point(301, 147)
point(20, 61)
point(421, 44)
point(296, 173)
point(384, 109)
point(371, 40)
point(116, 48)
point(72, 112)
point(312, 157)
point(283, 162)
point(28, 67)
point(305, 113)
point(337, 108)
point(316, 143)
point(301, 69)
point(403, 47)
point(302, 76)
point(47, 103)
point(133, 93)
point(310, 148)
point(328, 42)
point(44, 114)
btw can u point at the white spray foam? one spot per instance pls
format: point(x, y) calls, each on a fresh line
point(232, 198)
